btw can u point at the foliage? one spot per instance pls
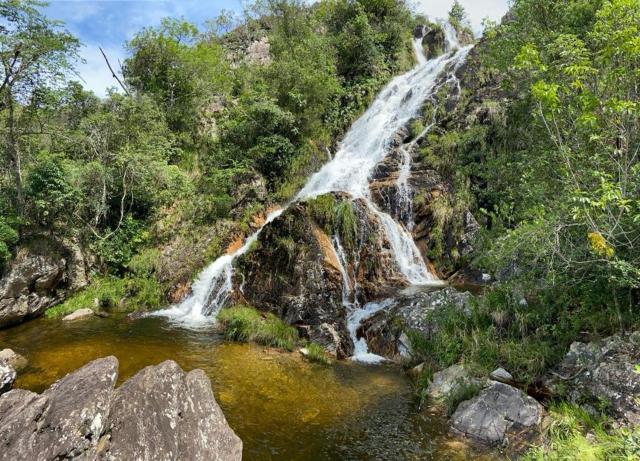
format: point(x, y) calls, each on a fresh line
point(576, 434)
point(461, 392)
point(316, 353)
point(245, 324)
point(8, 238)
point(114, 295)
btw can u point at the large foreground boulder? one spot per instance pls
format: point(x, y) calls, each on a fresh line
point(159, 414)
point(603, 371)
point(499, 411)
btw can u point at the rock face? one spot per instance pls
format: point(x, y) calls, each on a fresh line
point(161, 413)
point(604, 371)
point(386, 331)
point(38, 278)
point(295, 270)
point(496, 413)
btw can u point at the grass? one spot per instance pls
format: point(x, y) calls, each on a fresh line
point(575, 434)
point(316, 353)
point(113, 294)
point(461, 392)
point(245, 324)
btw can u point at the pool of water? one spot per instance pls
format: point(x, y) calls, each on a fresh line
point(282, 407)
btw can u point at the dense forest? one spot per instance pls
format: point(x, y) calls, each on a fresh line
point(210, 126)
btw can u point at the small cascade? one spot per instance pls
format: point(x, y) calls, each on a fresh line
point(213, 287)
point(356, 317)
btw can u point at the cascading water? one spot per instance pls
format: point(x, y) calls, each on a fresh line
point(365, 145)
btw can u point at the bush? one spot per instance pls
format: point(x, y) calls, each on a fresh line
point(316, 353)
point(576, 434)
point(114, 294)
point(245, 324)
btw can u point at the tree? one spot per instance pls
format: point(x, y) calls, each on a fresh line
point(35, 52)
point(457, 14)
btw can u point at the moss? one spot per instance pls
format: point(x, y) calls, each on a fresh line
point(114, 294)
point(316, 353)
point(346, 223)
point(321, 209)
point(246, 324)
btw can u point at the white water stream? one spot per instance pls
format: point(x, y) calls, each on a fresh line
point(365, 145)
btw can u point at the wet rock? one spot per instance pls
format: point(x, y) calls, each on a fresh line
point(294, 271)
point(450, 379)
point(501, 375)
point(386, 331)
point(498, 412)
point(7, 376)
point(79, 314)
point(603, 371)
point(161, 413)
point(39, 277)
point(434, 41)
point(17, 361)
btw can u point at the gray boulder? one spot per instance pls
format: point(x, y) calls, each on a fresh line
point(38, 278)
point(161, 413)
point(447, 381)
point(496, 413)
point(17, 361)
point(603, 371)
point(7, 376)
point(79, 314)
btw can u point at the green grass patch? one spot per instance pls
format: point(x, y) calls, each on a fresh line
point(461, 392)
point(575, 434)
point(114, 295)
point(316, 353)
point(245, 324)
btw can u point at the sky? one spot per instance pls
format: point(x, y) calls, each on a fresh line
point(111, 23)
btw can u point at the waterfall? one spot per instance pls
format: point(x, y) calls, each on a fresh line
point(365, 145)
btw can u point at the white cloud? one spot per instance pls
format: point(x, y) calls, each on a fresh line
point(477, 10)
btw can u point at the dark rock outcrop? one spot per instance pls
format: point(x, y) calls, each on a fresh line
point(161, 413)
point(294, 269)
point(39, 277)
point(603, 371)
point(497, 413)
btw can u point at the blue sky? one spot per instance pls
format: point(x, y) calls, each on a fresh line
point(110, 23)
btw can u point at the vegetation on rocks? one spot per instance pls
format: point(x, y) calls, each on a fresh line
point(245, 324)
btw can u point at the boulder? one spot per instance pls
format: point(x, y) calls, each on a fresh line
point(42, 273)
point(603, 371)
point(498, 412)
point(447, 381)
point(501, 375)
point(386, 331)
point(7, 376)
point(160, 413)
point(17, 361)
point(79, 314)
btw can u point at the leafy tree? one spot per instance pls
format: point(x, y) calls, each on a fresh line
point(34, 52)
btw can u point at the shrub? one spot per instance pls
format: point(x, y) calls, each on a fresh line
point(316, 353)
point(245, 324)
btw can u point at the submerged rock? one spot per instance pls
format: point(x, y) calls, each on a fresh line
point(603, 371)
point(160, 413)
point(17, 361)
point(79, 314)
point(499, 411)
